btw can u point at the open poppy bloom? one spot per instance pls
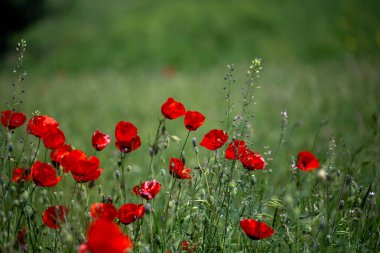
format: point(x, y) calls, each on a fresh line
point(39, 124)
point(58, 154)
point(235, 149)
point(193, 120)
point(256, 230)
point(172, 109)
point(104, 236)
point(53, 137)
point(100, 140)
point(130, 212)
point(103, 211)
point(12, 120)
point(148, 190)
point(178, 170)
point(83, 169)
point(19, 175)
point(307, 161)
point(129, 146)
point(251, 160)
point(127, 139)
point(44, 175)
point(214, 139)
point(54, 216)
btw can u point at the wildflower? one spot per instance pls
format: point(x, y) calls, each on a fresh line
point(256, 230)
point(21, 240)
point(21, 174)
point(130, 212)
point(189, 246)
point(44, 175)
point(54, 216)
point(178, 170)
point(11, 119)
point(127, 139)
point(193, 120)
point(57, 155)
point(252, 161)
point(214, 139)
point(103, 211)
point(83, 169)
point(100, 140)
point(148, 190)
point(129, 146)
point(104, 236)
point(307, 161)
point(235, 149)
point(53, 137)
point(172, 109)
point(38, 125)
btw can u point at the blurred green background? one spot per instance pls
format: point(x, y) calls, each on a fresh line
point(91, 64)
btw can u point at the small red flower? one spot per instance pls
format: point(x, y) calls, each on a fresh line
point(129, 146)
point(83, 169)
point(44, 175)
point(53, 137)
point(148, 190)
point(178, 170)
point(19, 175)
point(38, 125)
point(100, 140)
point(57, 155)
point(307, 161)
point(214, 139)
point(71, 159)
point(11, 119)
point(21, 240)
point(130, 212)
point(125, 131)
point(189, 246)
point(193, 120)
point(104, 236)
point(54, 216)
point(235, 149)
point(256, 230)
point(251, 160)
point(172, 109)
point(103, 211)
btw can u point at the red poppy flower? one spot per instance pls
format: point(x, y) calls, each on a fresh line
point(251, 160)
point(148, 190)
point(19, 175)
point(178, 170)
point(256, 230)
point(189, 246)
point(53, 137)
point(307, 161)
point(38, 125)
point(193, 120)
point(83, 169)
point(100, 140)
point(57, 155)
point(11, 119)
point(54, 216)
point(125, 131)
point(129, 146)
point(172, 109)
point(104, 236)
point(21, 240)
point(130, 212)
point(235, 149)
point(214, 139)
point(44, 175)
point(103, 211)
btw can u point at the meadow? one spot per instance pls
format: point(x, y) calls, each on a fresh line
point(90, 65)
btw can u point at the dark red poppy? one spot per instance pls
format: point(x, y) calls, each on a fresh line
point(38, 125)
point(129, 146)
point(104, 236)
point(193, 120)
point(103, 211)
point(11, 119)
point(44, 175)
point(100, 140)
point(172, 109)
point(53, 137)
point(125, 131)
point(130, 212)
point(189, 246)
point(21, 240)
point(235, 149)
point(178, 169)
point(148, 190)
point(256, 230)
point(20, 174)
point(83, 169)
point(214, 139)
point(307, 161)
point(251, 160)
point(57, 155)
point(54, 216)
